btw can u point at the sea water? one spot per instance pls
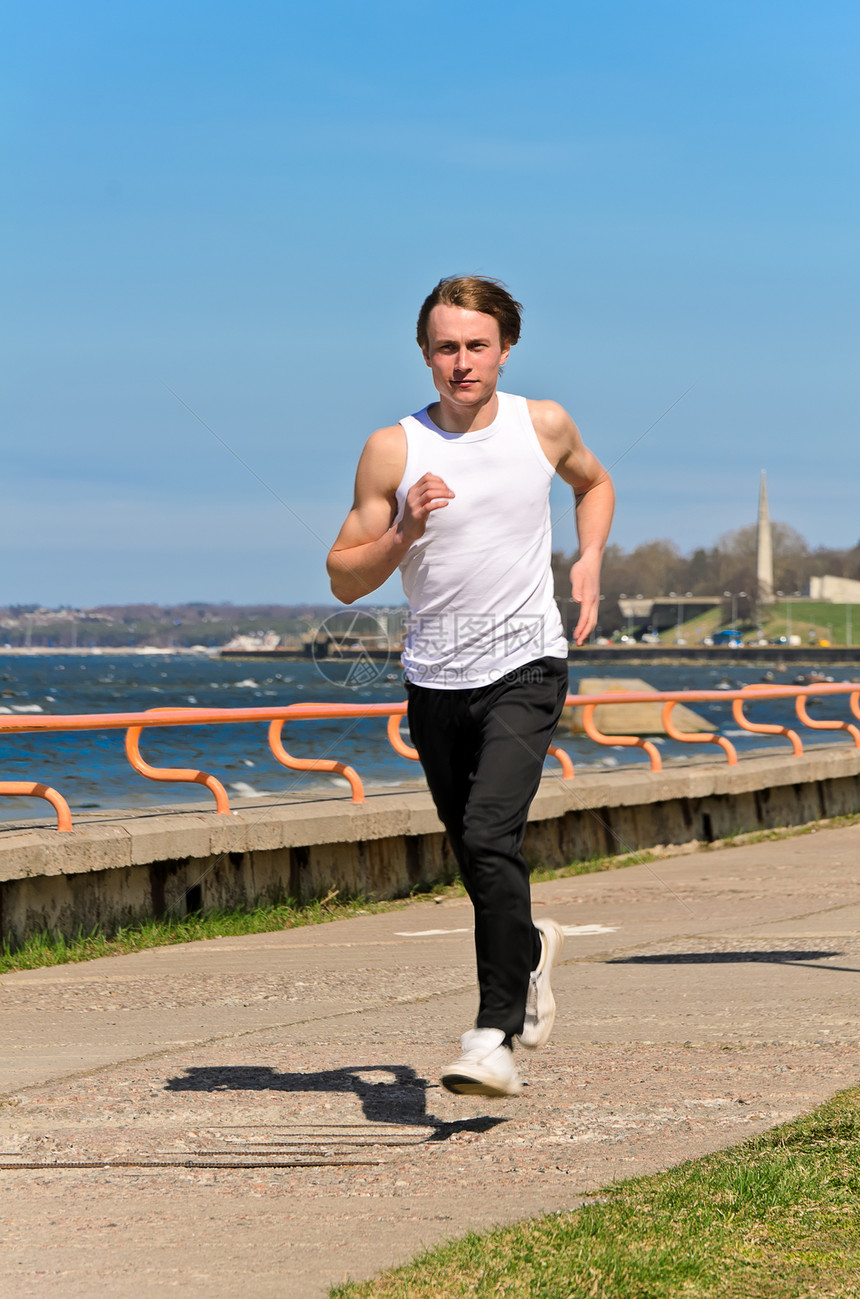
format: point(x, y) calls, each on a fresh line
point(91, 771)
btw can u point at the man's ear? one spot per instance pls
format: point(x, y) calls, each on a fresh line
point(506, 351)
point(425, 352)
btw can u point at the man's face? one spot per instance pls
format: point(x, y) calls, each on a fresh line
point(464, 353)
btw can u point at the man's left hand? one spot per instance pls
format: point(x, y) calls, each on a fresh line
point(585, 589)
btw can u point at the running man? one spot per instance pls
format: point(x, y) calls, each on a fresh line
point(457, 497)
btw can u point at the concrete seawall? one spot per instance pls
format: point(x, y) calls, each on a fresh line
point(116, 868)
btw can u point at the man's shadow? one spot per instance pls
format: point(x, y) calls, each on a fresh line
point(400, 1097)
point(808, 959)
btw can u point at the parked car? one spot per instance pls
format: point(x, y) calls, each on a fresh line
point(728, 637)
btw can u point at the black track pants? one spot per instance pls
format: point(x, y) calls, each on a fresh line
point(482, 751)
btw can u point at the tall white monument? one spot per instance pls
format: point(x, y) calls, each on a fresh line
point(764, 549)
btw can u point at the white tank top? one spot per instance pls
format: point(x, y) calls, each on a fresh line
point(479, 581)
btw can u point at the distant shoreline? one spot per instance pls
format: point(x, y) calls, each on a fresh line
point(780, 656)
point(82, 651)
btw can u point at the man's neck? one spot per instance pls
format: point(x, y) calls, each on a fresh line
point(453, 418)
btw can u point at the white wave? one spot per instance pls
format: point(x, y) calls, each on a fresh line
point(26, 708)
point(248, 684)
point(244, 790)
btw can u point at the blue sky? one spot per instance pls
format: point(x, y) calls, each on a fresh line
point(246, 203)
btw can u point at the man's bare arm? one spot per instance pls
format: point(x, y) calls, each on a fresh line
point(369, 547)
point(595, 504)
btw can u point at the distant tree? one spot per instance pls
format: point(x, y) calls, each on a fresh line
point(841, 563)
point(656, 568)
point(790, 558)
point(658, 565)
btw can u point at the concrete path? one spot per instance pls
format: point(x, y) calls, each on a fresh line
point(701, 999)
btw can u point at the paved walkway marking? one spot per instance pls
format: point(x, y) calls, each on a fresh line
point(429, 933)
point(573, 930)
point(570, 930)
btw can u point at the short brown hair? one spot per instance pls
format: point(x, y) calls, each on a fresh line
point(474, 293)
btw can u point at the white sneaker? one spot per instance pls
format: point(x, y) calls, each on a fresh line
point(540, 1003)
point(486, 1067)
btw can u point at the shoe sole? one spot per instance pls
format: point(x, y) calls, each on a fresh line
point(555, 942)
point(466, 1085)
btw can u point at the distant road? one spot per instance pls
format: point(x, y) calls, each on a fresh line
point(774, 655)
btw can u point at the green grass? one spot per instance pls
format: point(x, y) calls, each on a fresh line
point(694, 630)
point(53, 949)
point(833, 622)
point(543, 874)
point(741, 838)
point(50, 948)
point(775, 1218)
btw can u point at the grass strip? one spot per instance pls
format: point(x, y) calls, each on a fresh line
point(777, 1217)
point(49, 948)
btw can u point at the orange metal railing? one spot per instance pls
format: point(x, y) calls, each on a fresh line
point(314, 764)
point(135, 724)
point(177, 774)
point(696, 737)
point(33, 789)
point(818, 725)
point(625, 741)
